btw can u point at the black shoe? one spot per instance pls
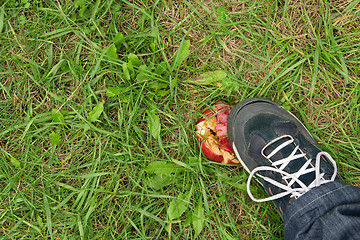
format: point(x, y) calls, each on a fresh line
point(277, 149)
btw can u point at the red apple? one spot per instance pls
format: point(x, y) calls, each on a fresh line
point(211, 131)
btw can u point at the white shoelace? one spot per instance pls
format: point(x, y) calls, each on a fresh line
point(290, 179)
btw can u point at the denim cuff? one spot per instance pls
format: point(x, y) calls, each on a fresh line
point(330, 211)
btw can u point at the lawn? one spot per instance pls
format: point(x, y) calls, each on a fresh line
point(99, 100)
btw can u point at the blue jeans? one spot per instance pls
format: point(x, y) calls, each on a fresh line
point(330, 211)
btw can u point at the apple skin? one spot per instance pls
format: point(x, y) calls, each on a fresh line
point(212, 135)
point(223, 111)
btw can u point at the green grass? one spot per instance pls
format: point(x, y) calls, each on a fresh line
point(98, 101)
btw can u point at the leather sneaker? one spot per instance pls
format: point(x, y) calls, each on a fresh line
point(278, 151)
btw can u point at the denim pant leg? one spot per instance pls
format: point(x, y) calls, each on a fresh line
point(330, 211)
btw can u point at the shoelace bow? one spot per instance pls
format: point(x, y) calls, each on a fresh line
point(278, 166)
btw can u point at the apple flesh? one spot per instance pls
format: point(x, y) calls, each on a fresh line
point(211, 131)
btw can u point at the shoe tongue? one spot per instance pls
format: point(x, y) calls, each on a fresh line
point(262, 138)
point(259, 148)
point(283, 131)
point(270, 150)
point(285, 128)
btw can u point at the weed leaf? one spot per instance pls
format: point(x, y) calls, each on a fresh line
point(156, 182)
point(134, 60)
point(221, 198)
point(222, 15)
point(143, 72)
point(57, 116)
point(230, 85)
point(198, 218)
point(39, 221)
point(153, 47)
point(55, 138)
point(119, 39)
point(130, 67)
point(161, 168)
point(188, 220)
point(96, 112)
point(211, 77)
point(154, 124)
point(126, 71)
point(182, 53)
point(111, 52)
point(113, 91)
point(160, 68)
point(15, 162)
point(173, 83)
point(178, 205)
point(1, 19)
